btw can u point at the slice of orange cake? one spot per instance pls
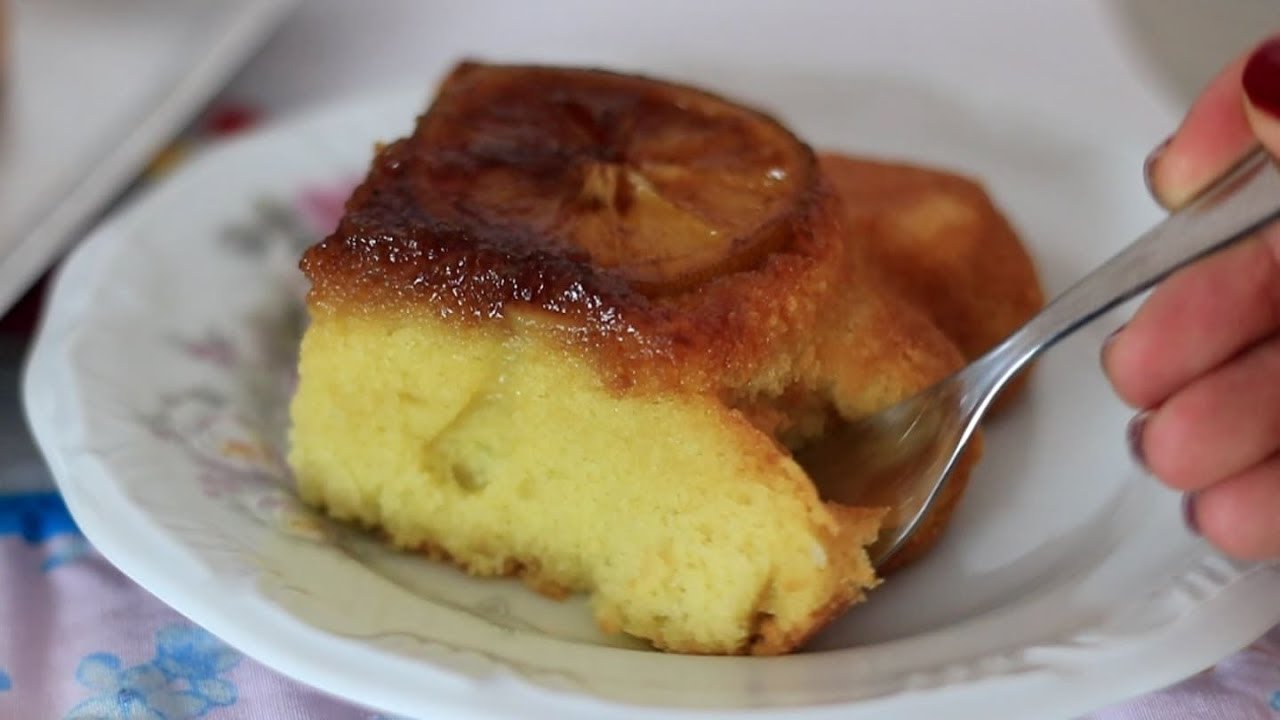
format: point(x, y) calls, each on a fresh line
point(573, 329)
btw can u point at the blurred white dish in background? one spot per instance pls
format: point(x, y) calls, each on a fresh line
point(93, 89)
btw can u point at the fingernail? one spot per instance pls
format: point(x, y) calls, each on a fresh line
point(1189, 513)
point(1261, 79)
point(1111, 337)
point(1106, 345)
point(1149, 165)
point(1133, 433)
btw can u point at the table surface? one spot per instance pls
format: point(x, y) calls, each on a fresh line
point(79, 640)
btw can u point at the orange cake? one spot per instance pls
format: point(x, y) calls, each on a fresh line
point(937, 237)
point(574, 327)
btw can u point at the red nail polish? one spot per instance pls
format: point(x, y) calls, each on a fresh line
point(1189, 513)
point(1261, 78)
point(1133, 434)
point(1149, 165)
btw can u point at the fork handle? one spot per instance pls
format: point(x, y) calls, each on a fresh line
point(1237, 204)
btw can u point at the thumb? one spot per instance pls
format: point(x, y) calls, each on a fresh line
point(1261, 83)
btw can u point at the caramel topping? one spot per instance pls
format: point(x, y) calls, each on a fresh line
point(637, 213)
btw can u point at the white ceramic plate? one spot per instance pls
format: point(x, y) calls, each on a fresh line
point(157, 392)
point(92, 90)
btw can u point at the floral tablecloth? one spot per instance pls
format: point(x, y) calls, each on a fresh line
point(79, 640)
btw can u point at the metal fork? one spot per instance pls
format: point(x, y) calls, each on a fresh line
point(902, 457)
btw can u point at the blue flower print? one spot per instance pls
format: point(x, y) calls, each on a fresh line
point(138, 693)
point(189, 653)
point(1275, 701)
point(5, 682)
point(182, 681)
point(35, 517)
point(64, 551)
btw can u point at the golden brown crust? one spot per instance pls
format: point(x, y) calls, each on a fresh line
point(529, 571)
point(943, 244)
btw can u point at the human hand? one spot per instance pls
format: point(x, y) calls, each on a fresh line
point(1200, 359)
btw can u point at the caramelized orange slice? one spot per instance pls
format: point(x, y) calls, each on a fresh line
point(664, 185)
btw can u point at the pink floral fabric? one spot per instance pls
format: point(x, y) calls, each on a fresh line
point(80, 641)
